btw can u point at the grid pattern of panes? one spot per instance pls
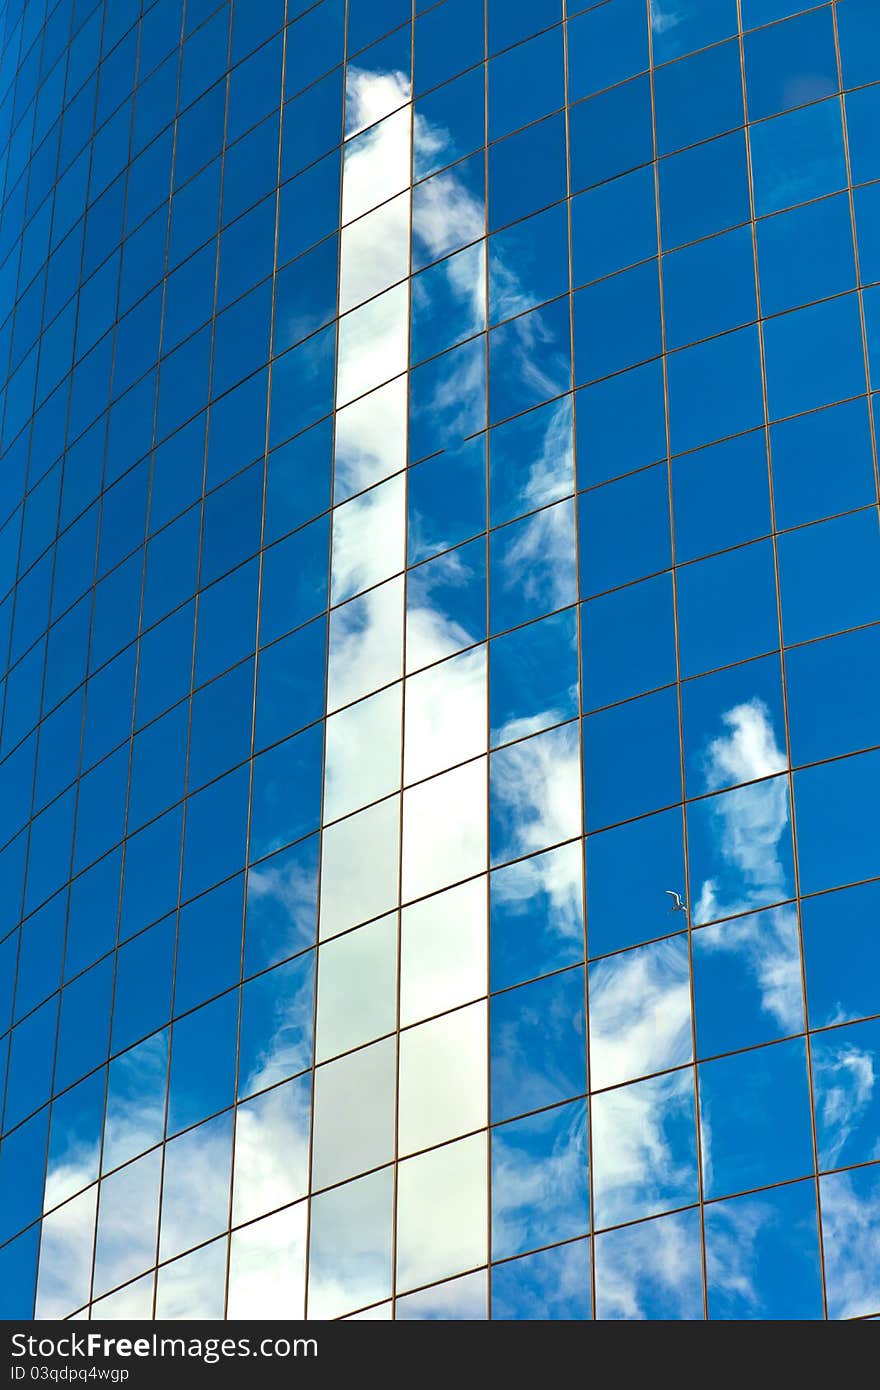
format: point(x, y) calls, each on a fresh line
point(439, 501)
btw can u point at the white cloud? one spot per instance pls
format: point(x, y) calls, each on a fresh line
point(66, 1256)
point(457, 1300)
point(851, 1226)
point(747, 751)
point(370, 439)
point(538, 1196)
point(750, 820)
point(193, 1287)
point(366, 644)
point(357, 987)
point(443, 951)
point(442, 1212)
point(536, 786)
point(350, 1246)
point(362, 757)
point(768, 944)
point(655, 1263)
point(134, 1301)
point(845, 1080)
point(431, 633)
point(373, 344)
point(371, 94)
point(637, 1170)
point(267, 1267)
point(360, 864)
point(375, 252)
point(443, 1195)
point(557, 874)
point(732, 1261)
point(442, 1080)
point(271, 1151)
point(538, 557)
point(127, 1223)
point(444, 830)
point(663, 20)
point(368, 539)
point(445, 715)
point(552, 473)
point(640, 1013)
point(291, 886)
point(446, 215)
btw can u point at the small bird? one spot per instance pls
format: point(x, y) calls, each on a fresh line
point(678, 903)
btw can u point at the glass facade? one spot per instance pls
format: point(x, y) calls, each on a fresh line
point(439, 526)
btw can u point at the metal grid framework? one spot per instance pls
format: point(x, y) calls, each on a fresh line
point(588, 1106)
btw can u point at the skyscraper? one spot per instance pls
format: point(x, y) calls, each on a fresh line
point(440, 615)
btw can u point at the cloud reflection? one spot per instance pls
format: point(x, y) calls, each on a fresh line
point(443, 1195)
point(749, 821)
point(851, 1225)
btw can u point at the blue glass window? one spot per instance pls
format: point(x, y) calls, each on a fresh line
point(780, 1250)
point(533, 674)
point(755, 1107)
point(720, 170)
point(551, 1284)
point(617, 322)
point(690, 24)
point(797, 156)
point(631, 759)
point(827, 575)
point(814, 357)
point(725, 262)
point(629, 642)
point(735, 470)
point(715, 390)
point(727, 608)
point(835, 805)
point(807, 487)
point(539, 1048)
point(613, 226)
point(747, 981)
point(724, 879)
point(536, 916)
point(621, 424)
point(698, 97)
point(840, 951)
point(525, 82)
point(634, 1278)
point(611, 133)
point(805, 254)
point(523, 1149)
point(512, 20)
point(645, 851)
point(790, 64)
point(606, 44)
point(539, 150)
point(858, 31)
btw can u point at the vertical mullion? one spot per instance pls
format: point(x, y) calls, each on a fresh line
point(134, 681)
point(197, 601)
point(395, 1183)
point(341, 147)
point(25, 830)
point(487, 454)
point(45, 639)
point(785, 710)
point(580, 665)
point(678, 675)
point(241, 968)
point(872, 424)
